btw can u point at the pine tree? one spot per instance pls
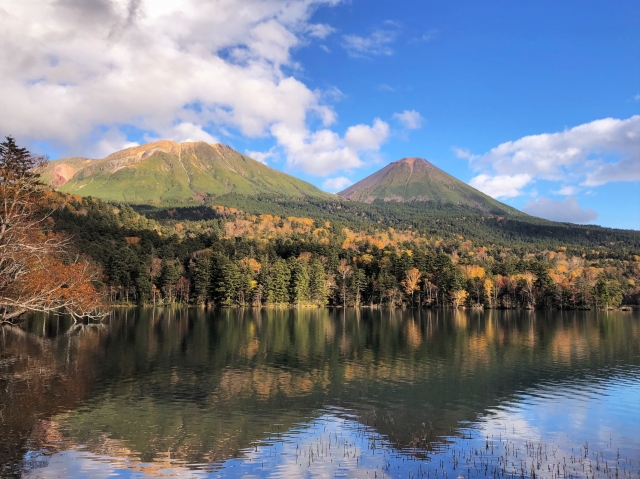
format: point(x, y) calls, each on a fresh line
point(607, 292)
point(357, 285)
point(168, 278)
point(300, 282)
point(318, 291)
point(277, 283)
point(201, 278)
point(143, 287)
point(229, 286)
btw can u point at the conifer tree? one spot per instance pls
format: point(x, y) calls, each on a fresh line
point(168, 278)
point(299, 282)
point(229, 284)
point(277, 283)
point(318, 291)
point(607, 292)
point(357, 285)
point(201, 278)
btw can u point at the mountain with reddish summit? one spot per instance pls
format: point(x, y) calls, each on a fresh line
point(170, 173)
point(417, 180)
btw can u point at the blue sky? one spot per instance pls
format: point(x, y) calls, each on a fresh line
point(536, 104)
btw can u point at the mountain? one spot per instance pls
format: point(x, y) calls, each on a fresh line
point(167, 173)
point(417, 180)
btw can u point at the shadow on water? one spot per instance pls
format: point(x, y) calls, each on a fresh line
point(200, 388)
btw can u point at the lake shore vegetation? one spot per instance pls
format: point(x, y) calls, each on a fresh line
point(229, 257)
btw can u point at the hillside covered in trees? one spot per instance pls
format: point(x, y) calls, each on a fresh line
point(275, 251)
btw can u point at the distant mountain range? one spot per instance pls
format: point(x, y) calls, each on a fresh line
point(166, 173)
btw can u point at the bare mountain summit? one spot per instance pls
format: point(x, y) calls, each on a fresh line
point(417, 180)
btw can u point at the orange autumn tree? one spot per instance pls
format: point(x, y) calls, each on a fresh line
point(35, 271)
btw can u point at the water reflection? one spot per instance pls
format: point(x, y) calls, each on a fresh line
point(187, 391)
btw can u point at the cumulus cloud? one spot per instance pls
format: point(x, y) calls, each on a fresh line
point(186, 131)
point(324, 151)
point(112, 140)
point(594, 153)
point(73, 70)
point(627, 169)
point(335, 185)
point(501, 186)
point(588, 148)
point(410, 119)
point(262, 156)
point(377, 43)
point(567, 210)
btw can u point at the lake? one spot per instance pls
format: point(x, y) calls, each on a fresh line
point(323, 393)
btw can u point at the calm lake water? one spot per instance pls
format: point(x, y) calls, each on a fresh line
point(322, 393)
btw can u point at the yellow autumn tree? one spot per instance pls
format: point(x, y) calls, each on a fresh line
point(487, 287)
point(458, 297)
point(411, 281)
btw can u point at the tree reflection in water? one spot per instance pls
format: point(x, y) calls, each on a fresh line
point(158, 386)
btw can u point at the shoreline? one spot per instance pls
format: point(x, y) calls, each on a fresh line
point(623, 308)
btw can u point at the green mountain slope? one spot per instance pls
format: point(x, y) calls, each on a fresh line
point(417, 180)
point(167, 173)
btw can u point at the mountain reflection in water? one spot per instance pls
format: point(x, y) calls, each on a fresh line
point(286, 393)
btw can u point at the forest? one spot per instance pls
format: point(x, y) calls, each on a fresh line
point(219, 255)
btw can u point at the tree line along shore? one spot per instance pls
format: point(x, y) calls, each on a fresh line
point(240, 259)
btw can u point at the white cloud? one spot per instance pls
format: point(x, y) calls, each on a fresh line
point(567, 210)
point(324, 152)
point(336, 184)
point(184, 70)
point(186, 131)
point(364, 137)
point(601, 151)
point(110, 141)
point(637, 97)
point(319, 30)
point(410, 119)
point(378, 43)
point(463, 153)
point(627, 169)
point(262, 156)
point(501, 186)
point(566, 191)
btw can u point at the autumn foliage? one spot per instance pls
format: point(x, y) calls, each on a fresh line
point(36, 270)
